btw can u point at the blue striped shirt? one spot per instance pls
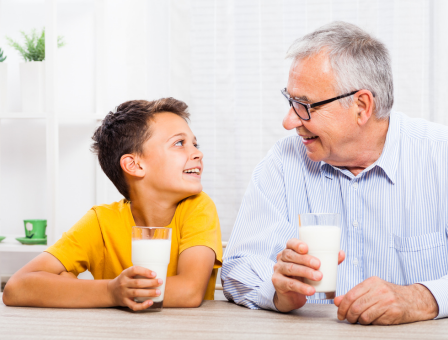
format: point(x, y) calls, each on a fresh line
point(394, 214)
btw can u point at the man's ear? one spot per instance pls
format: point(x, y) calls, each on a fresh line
point(130, 165)
point(365, 106)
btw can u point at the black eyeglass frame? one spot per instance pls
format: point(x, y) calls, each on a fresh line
point(310, 106)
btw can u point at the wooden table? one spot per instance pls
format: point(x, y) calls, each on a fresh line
point(213, 320)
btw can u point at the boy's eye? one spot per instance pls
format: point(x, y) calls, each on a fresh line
point(196, 146)
point(179, 143)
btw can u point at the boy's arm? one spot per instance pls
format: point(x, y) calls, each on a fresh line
point(188, 287)
point(44, 282)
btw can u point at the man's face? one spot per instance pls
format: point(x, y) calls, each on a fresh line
point(172, 160)
point(311, 80)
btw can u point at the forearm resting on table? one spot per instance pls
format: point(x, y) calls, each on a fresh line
point(44, 282)
point(43, 289)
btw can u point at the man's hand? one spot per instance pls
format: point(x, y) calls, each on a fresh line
point(378, 302)
point(293, 265)
point(125, 287)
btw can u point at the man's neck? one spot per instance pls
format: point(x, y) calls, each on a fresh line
point(152, 210)
point(369, 150)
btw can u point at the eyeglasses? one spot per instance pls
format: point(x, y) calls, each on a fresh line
point(303, 109)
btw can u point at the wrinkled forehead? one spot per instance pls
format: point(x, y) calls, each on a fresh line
point(311, 74)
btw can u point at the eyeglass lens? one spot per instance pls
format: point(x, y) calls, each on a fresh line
point(300, 110)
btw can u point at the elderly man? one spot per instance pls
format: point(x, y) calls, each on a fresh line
point(384, 173)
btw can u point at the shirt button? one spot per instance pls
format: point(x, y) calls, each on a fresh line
point(355, 223)
point(355, 261)
point(355, 185)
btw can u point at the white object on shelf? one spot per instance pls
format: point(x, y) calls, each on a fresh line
point(32, 86)
point(3, 87)
point(10, 244)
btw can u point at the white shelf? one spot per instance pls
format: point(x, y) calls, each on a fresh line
point(21, 115)
point(63, 118)
point(10, 244)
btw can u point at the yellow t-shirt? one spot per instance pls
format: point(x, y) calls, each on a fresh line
point(101, 241)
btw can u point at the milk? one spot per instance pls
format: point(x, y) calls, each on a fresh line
point(323, 243)
point(155, 256)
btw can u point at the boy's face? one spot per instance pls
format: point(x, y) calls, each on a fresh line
point(172, 160)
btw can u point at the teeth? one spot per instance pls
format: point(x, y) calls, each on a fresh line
point(192, 170)
point(310, 137)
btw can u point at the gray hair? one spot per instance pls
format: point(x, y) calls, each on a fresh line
point(358, 60)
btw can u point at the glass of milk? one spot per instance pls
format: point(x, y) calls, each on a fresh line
point(151, 247)
point(322, 234)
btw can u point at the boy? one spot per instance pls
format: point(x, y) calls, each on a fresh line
point(150, 154)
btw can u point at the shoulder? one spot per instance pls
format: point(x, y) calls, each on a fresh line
point(198, 202)
point(421, 130)
point(115, 208)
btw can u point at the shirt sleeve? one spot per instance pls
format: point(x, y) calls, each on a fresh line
point(260, 232)
point(439, 289)
point(80, 248)
point(200, 227)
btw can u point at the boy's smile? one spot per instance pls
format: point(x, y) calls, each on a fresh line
point(195, 172)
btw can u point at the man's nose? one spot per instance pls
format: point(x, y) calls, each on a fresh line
point(291, 120)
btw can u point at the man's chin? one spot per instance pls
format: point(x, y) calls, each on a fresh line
point(314, 156)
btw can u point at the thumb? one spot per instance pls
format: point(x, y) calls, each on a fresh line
point(341, 256)
point(338, 300)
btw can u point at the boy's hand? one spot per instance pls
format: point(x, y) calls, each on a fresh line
point(125, 287)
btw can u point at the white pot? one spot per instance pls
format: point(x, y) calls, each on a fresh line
point(32, 84)
point(3, 87)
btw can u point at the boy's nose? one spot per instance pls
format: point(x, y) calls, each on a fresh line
point(291, 120)
point(196, 154)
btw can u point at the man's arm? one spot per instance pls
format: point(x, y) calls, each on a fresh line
point(261, 231)
point(188, 287)
point(44, 282)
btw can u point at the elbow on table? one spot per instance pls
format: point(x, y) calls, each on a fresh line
point(9, 293)
point(193, 297)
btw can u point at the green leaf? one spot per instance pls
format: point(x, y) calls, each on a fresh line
point(34, 47)
point(2, 59)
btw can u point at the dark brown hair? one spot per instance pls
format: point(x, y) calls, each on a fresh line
point(125, 131)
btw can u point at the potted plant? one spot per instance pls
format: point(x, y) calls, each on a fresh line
point(32, 71)
point(3, 82)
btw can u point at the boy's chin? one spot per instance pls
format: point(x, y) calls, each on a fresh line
point(192, 191)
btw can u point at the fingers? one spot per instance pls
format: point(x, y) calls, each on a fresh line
point(284, 285)
point(290, 256)
point(341, 256)
point(145, 283)
point(337, 300)
point(136, 270)
point(297, 245)
point(371, 314)
point(137, 293)
point(137, 306)
point(360, 307)
point(349, 298)
point(291, 269)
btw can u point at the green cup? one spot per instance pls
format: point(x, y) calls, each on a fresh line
point(35, 228)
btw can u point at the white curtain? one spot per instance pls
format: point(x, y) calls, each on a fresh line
point(226, 60)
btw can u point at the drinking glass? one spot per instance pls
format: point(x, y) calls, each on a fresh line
point(151, 247)
point(322, 234)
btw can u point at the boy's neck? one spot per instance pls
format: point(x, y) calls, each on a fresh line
point(152, 212)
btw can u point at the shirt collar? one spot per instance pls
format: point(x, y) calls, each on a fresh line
point(388, 160)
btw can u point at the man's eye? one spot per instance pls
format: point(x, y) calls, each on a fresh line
point(179, 143)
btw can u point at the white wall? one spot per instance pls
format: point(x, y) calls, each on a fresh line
point(225, 58)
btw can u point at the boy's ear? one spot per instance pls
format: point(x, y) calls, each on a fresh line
point(130, 165)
